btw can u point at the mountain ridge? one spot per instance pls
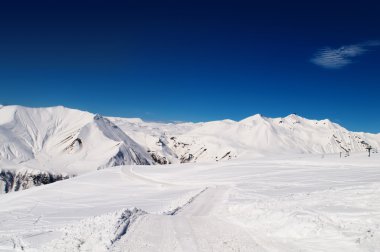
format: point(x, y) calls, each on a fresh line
point(43, 145)
point(39, 137)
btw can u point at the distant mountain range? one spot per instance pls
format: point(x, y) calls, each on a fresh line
point(41, 145)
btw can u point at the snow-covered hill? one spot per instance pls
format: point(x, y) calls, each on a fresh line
point(66, 142)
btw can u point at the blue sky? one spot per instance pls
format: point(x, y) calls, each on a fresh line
point(195, 60)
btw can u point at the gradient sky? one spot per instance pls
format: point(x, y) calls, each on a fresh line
point(195, 60)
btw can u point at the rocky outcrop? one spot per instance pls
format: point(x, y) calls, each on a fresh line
point(159, 159)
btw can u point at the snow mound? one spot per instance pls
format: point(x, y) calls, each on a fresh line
point(97, 233)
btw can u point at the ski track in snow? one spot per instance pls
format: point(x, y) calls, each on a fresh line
point(128, 171)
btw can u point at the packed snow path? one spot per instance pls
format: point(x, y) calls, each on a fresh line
point(192, 228)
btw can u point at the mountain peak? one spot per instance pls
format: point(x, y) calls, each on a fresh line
point(294, 116)
point(254, 118)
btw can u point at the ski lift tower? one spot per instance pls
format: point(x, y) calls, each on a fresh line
point(369, 148)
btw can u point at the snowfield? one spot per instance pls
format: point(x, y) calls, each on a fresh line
point(297, 203)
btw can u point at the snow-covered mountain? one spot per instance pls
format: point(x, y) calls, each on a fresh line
point(61, 142)
point(255, 136)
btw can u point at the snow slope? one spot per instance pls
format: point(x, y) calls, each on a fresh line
point(303, 203)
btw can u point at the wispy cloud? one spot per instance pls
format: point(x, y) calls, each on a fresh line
point(335, 58)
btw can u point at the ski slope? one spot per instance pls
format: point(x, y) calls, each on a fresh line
point(297, 203)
